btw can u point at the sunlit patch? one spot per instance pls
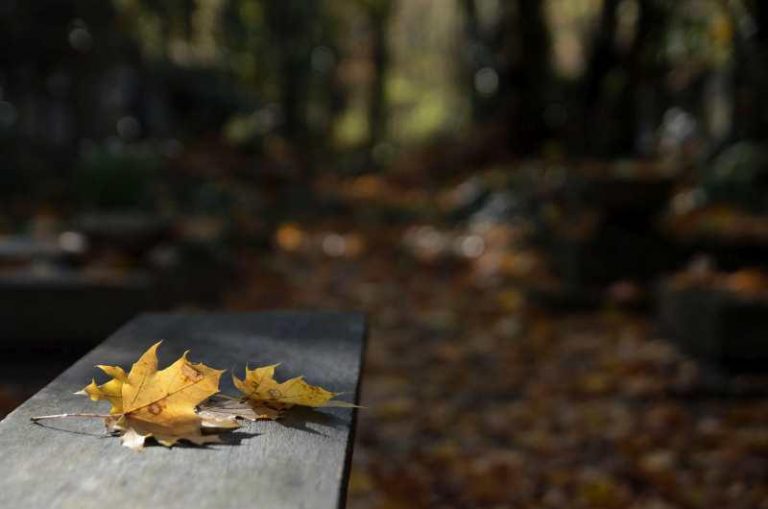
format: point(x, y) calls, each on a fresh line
point(289, 237)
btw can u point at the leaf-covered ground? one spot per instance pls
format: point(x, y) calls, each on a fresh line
point(476, 399)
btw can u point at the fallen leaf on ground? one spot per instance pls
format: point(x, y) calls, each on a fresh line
point(161, 404)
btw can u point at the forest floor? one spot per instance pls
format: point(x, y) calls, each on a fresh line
point(475, 398)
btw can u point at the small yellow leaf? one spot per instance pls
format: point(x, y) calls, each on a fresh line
point(267, 396)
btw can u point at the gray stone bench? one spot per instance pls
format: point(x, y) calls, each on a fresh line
point(301, 461)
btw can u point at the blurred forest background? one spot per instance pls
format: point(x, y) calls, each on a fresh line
point(554, 211)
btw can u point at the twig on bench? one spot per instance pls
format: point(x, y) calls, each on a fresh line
point(59, 416)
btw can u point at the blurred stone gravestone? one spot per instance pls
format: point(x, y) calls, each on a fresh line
point(19, 249)
point(606, 228)
point(64, 306)
point(719, 327)
point(130, 231)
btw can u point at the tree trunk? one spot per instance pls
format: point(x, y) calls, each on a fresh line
point(533, 71)
point(644, 88)
point(603, 55)
point(602, 60)
point(290, 29)
point(760, 130)
point(379, 16)
point(473, 46)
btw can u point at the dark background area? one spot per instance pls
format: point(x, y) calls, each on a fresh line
point(553, 211)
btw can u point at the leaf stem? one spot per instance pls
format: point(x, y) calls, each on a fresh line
point(59, 416)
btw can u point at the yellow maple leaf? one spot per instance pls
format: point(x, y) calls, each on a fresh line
point(268, 398)
point(162, 404)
